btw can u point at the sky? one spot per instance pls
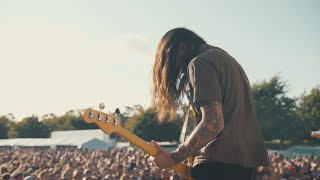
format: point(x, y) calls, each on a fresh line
point(57, 56)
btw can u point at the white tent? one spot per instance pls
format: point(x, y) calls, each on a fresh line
point(89, 133)
point(25, 142)
point(95, 144)
point(86, 143)
point(87, 139)
point(96, 133)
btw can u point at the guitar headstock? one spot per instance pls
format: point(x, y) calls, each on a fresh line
point(108, 123)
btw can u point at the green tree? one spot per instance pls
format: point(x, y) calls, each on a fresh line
point(31, 127)
point(71, 120)
point(146, 125)
point(77, 122)
point(308, 112)
point(276, 111)
point(129, 112)
point(4, 127)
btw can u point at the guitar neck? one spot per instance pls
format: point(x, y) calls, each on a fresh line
point(136, 141)
point(182, 169)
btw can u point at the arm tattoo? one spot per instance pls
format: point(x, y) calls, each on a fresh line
point(211, 124)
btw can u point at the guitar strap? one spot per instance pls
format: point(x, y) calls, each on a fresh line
point(184, 127)
point(194, 111)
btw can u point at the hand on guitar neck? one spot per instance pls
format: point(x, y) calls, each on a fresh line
point(162, 159)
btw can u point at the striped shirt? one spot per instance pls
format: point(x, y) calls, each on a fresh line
point(216, 76)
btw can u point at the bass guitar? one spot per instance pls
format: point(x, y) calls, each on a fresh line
point(111, 123)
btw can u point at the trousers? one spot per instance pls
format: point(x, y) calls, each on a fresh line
point(221, 171)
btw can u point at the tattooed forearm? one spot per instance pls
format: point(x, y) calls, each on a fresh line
point(211, 125)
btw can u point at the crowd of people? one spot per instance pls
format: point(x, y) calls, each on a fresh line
point(295, 168)
point(47, 164)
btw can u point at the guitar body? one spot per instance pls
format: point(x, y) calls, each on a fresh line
point(110, 123)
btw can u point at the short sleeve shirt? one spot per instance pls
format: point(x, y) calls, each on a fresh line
point(216, 76)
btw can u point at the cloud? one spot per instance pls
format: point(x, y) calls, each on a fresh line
point(37, 40)
point(43, 62)
point(34, 46)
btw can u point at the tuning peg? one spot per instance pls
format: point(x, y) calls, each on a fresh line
point(117, 113)
point(101, 106)
point(108, 120)
point(91, 113)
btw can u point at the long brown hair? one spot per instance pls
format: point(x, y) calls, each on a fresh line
point(167, 77)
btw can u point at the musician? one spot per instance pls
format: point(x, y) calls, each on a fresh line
point(227, 142)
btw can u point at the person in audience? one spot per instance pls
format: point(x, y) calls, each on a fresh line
point(37, 164)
